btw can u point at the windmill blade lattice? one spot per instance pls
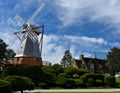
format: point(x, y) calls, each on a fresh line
point(36, 13)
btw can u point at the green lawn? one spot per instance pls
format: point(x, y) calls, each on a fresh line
point(79, 92)
point(118, 80)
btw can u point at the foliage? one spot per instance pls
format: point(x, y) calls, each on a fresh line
point(86, 76)
point(3, 50)
point(5, 87)
point(113, 60)
point(9, 54)
point(98, 82)
point(70, 70)
point(82, 71)
point(5, 53)
point(88, 79)
point(90, 82)
point(31, 71)
point(58, 69)
point(110, 81)
point(75, 76)
point(61, 79)
point(64, 82)
point(43, 85)
point(48, 78)
point(99, 79)
point(48, 69)
point(20, 83)
point(29, 84)
point(10, 70)
point(79, 82)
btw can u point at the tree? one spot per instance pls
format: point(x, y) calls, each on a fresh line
point(113, 61)
point(9, 54)
point(9, 71)
point(3, 50)
point(5, 54)
point(48, 69)
point(58, 69)
point(5, 86)
point(30, 71)
point(20, 83)
point(70, 71)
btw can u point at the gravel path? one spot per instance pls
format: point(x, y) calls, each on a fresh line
point(73, 90)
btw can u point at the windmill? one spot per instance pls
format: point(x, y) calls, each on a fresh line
point(30, 48)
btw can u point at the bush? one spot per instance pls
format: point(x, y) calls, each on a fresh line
point(110, 81)
point(70, 70)
point(48, 78)
point(31, 71)
point(88, 79)
point(75, 76)
point(90, 82)
point(57, 69)
point(8, 71)
point(70, 83)
point(29, 84)
point(98, 82)
point(20, 83)
point(5, 87)
point(99, 76)
point(85, 77)
point(43, 85)
point(82, 71)
point(99, 79)
point(61, 82)
point(79, 83)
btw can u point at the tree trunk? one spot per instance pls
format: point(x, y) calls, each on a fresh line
point(21, 91)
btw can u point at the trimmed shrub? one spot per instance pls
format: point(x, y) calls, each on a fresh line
point(20, 83)
point(70, 83)
point(98, 82)
point(61, 82)
point(110, 81)
point(31, 71)
point(75, 76)
point(5, 87)
point(85, 77)
point(90, 82)
point(57, 69)
point(82, 71)
point(64, 82)
point(99, 76)
point(70, 70)
point(29, 84)
point(88, 79)
point(99, 79)
point(48, 78)
point(8, 71)
point(43, 85)
point(79, 83)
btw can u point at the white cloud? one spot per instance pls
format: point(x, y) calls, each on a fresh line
point(114, 44)
point(104, 11)
point(86, 39)
point(55, 46)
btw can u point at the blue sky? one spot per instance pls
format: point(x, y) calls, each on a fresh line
point(83, 26)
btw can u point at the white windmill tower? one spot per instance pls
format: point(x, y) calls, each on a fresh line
point(30, 48)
